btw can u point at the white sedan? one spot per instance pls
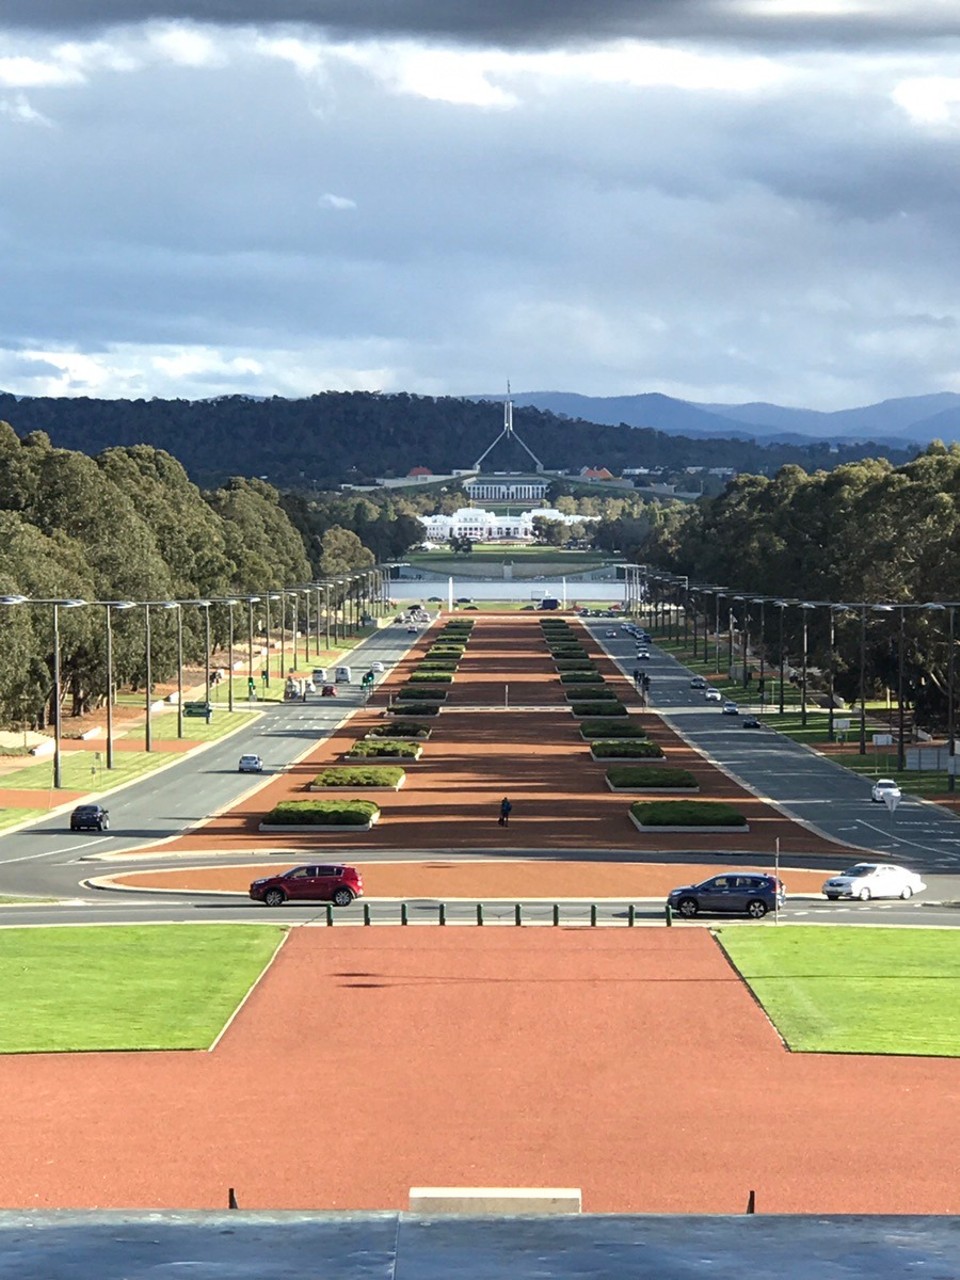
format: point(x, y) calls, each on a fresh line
point(250, 764)
point(884, 787)
point(868, 880)
point(377, 667)
point(712, 695)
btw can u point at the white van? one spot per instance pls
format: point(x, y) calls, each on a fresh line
point(319, 675)
point(344, 675)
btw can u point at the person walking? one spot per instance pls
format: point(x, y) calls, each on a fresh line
point(505, 807)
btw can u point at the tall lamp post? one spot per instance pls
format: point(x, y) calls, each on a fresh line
point(718, 596)
point(901, 643)
point(782, 652)
point(762, 688)
point(147, 606)
point(745, 636)
point(951, 672)
point(806, 606)
point(109, 606)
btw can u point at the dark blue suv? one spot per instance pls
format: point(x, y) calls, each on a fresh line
point(749, 893)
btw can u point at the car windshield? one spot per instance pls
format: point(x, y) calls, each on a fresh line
point(861, 869)
point(886, 783)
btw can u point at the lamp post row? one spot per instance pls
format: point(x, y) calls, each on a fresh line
point(109, 606)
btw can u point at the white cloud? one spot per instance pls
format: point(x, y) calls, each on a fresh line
point(31, 73)
point(330, 201)
point(930, 100)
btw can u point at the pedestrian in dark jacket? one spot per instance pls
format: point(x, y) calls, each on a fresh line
point(505, 807)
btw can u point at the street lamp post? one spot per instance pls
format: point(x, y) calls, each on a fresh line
point(806, 606)
point(762, 687)
point(179, 669)
point(109, 606)
point(745, 637)
point(781, 605)
point(148, 724)
point(718, 596)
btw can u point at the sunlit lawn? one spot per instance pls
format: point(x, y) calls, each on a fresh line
point(125, 987)
point(10, 817)
point(854, 990)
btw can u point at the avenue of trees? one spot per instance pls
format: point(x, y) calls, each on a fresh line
point(865, 533)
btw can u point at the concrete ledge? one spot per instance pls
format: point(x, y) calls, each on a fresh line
point(333, 788)
point(706, 831)
point(347, 758)
point(46, 748)
point(661, 790)
point(96, 732)
point(638, 760)
point(308, 827)
point(509, 1201)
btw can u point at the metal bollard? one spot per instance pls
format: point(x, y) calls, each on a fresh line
point(329, 913)
point(517, 913)
point(442, 918)
point(668, 915)
point(556, 913)
point(593, 915)
point(479, 913)
point(366, 913)
point(631, 915)
point(403, 913)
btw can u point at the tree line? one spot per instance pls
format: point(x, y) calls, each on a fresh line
point(865, 533)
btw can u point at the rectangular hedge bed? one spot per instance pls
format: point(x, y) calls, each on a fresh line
point(687, 816)
point(584, 710)
point(400, 729)
point(385, 749)
point(584, 693)
point(407, 694)
point(588, 675)
point(388, 776)
point(431, 677)
point(311, 815)
point(650, 777)
point(591, 729)
point(415, 709)
point(626, 749)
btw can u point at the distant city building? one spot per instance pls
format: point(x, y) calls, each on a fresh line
point(506, 488)
point(419, 471)
point(487, 526)
point(596, 473)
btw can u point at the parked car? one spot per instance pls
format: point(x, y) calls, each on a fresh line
point(750, 722)
point(250, 764)
point(884, 787)
point(698, 682)
point(90, 817)
point(730, 709)
point(712, 695)
point(336, 884)
point(751, 893)
point(866, 880)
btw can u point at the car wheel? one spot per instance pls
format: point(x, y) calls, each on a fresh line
point(906, 892)
point(688, 907)
point(104, 825)
point(274, 898)
point(756, 909)
point(832, 897)
point(74, 827)
point(864, 895)
point(342, 898)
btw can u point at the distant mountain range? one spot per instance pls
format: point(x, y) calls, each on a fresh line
point(911, 421)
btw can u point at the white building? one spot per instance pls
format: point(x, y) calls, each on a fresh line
point(506, 488)
point(486, 526)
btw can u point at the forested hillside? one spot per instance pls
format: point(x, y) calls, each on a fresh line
point(337, 436)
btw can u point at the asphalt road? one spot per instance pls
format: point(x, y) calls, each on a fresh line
point(803, 783)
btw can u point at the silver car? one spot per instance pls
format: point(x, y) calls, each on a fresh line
point(866, 880)
point(250, 764)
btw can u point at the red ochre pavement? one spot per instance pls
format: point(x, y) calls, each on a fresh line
point(630, 1063)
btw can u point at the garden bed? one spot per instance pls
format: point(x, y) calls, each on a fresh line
point(385, 749)
point(379, 777)
point(651, 777)
point(589, 710)
point(707, 817)
point(591, 729)
point(314, 815)
point(629, 749)
point(400, 729)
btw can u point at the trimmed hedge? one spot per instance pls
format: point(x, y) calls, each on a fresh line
point(339, 813)
point(401, 729)
point(567, 666)
point(582, 709)
point(686, 813)
point(383, 747)
point(415, 709)
point(430, 677)
point(579, 693)
point(421, 695)
point(602, 729)
point(639, 748)
point(384, 775)
point(439, 664)
point(581, 677)
point(650, 775)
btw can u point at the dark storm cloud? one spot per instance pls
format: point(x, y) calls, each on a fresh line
point(517, 22)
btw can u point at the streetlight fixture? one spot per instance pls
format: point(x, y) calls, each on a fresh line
point(109, 606)
point(147, 606)
point(762, 687)
point(806, 606)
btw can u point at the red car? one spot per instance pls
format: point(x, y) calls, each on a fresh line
point(339, 885)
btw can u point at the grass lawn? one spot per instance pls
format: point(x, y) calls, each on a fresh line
point(854, 990)
point(10, 817)
point(148, 987)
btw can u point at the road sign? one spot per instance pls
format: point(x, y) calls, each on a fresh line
point(842, 726)
point(891, 800)
point(883, 739)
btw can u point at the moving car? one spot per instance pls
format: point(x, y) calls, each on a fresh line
point(698, 682)
point(712, 695)
point(729, 709)
point(643, 655)
point(750, 722)
point(337, 884)
point(751, 893)
point(250, 764)
point(611, 635)
point(90, 817)
point(343, 675)
point(377, 667)
point(319, 675)
point(884, 787)
point(866, 880)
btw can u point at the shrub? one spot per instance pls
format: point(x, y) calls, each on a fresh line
point(567, 666)
point(439, 664)
point(566, 652)
point(625, 775)
point(340, 813)
point(415, 709)
point(385, 775)
point(603, 729)
point(451, 651)
point(637, 748)
point(578, 693)
point(372, 748)
point(581, 677)
point(422, 695)
point(582, 709)
point(430, 677)
point(401, 729)
point(686, 813)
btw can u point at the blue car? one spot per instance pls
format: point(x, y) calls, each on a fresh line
point(751, 893)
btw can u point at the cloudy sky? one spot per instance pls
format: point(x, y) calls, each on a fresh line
point(717, 199)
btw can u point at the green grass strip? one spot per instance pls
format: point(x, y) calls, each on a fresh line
point(126, 987)
point(864, 990)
